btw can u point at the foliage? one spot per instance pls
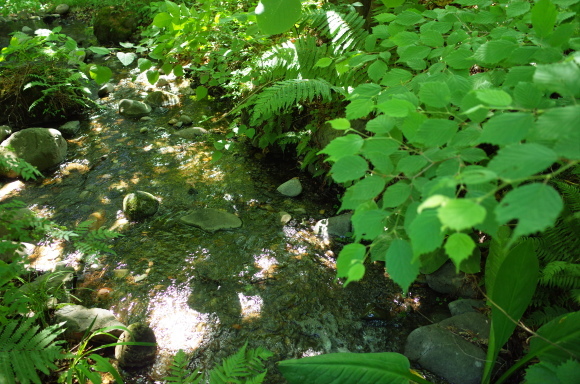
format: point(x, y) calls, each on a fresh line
point(24, 350)
point(245, 366)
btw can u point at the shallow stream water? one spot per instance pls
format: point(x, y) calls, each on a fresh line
point(270, 283)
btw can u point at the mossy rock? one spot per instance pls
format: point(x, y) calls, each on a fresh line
point(140, 205)
point(114, 25)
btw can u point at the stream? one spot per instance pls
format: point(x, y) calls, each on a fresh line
point(270, 283)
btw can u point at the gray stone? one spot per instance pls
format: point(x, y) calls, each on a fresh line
point(5, 131)
point(473, 323)
point(161, 99)
point(446, 280)
point(211, 220)
point(49, 283)
point(42, 147)
point(186, 120)
point(136, 355)
point(133, 108)
point(190, 133)
point(291, 188)
point(105, 90)
point(446, 354)
point(336, 226)
point(461, 306)
point(70, 128)
point(78, 320)
point(140, 205)
point(62, 9)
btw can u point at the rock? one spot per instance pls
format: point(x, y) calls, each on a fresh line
point(105, 90)
point(62, 9)
point(70, 129)
point(132, 356)
point(42, 147)
point(446, 280)
point(144, 130)
point(78, 320)
point(474, 323)
point(336, 226)
point(285, 217)
point(140, 205)
point(172, 122)
point(211, 220)
point(114, 25)
point(133, 108)
point(186, 120)
point(5, 131)
point(462, 306)
point(190, 133)
point(291, 188)
point(161, 99)
point(50, 283)
point(446, 354)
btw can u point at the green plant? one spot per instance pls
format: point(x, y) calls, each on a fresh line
point(245, 366)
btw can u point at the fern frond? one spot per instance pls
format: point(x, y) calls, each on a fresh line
point(24, 350)
point(561, 274)
point(245, 366)
point(179, 373)
point(544, 315)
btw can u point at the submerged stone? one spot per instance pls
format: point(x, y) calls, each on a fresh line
point(211, 220)
point(291, 188)
point(140, 205)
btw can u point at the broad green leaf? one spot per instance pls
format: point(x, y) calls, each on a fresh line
point(178, 70)
point(563, 78)
point(201, 92)
point(474, 175)
point(432, 261)
point(518, 161)
point(277, 16)
point(405, 38)
point(563, 334)
point(497, 253)
point(425, 233)
point(544, 14)
point(528, 95)
point(349, 368)
point(324, 62)
point(377, 70)
point(100, 73)
point(510, 298)
point(350, 255)
point(126, 58)
point(355, 273)
point(343, 146)
point(459, 247)
point(434, 201)
point(393, 3)
point(396, 76)
point(472, 264)
point(399, 264)
point(536, 207)
point(358, 108)
point(100, 50)
point(367, 90)
point(340, 124)
point(517, 8)
point(436, 132)
point(461, 58)
point(396, 107)
point(494, 51)
point(152, 76)
point(494, 97)
point(368, 225)
point(381, 124)
point(460, 214)
point(347, 168)
point(144, 64)
point(369, 187)
point(432, 38)
point(411, 165)
point(409, 18)
point(162, 20)
point(507, 128)
point(564, 372)
point(435, 94)
point(396, 194)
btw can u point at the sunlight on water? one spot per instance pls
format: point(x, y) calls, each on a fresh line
point(11, 188)
point(251, 306)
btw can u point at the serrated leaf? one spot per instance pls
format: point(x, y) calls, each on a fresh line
point(399, 264)
point(507, 128)
point(381, 124)
point(544, 14)
point(536, 207)
point(460, 214)
point(528, 95)
point(368, 188)
point(435, 94)
point(343, 146)
point(340, 124)
point(396, 76)
point(350, 255)
point(377, 70)
point(494, 51)
point(461, 58)
point(411, 165)
point(432, 38)
point(459, 247)
point(396, 194)
point(436, 132)
point(359, 108)
point(347, 168)
point(405, 38)
point(152, 76)
point(144, 64)
point(563, 78)
point(277, 16)
point(517, 161)
point(474, 175)
point(324, 62)
point(368, 224)
point(425, 233)
point(396, 107)
point(517, 8)
point(494, 97)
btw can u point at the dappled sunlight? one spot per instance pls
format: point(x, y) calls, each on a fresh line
point(251, 306)
point(11, 189)
point(47, 255)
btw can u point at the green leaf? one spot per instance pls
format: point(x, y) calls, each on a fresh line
point(359, 108)
point(100, 74)
point(563, 78)
point(343, 146)
point(474, 175)
point(432, 38)
point(497, 254)
point(178, 70)
point(396, 194)
point(277, 16)
point(349, 368)
point(494, 97)
point(350, 255)
point(347, 168)
point(510, 298)
point(517, 8)
point(460, 214)
point(126, 58)
point(152, 76)
point(507, 128)
point(411, 165)
point(528, 95)
point(399, 264)
point(144, 64)
point(368, 224)
point(461, 58)
point(396, 107)
point(162, 20)
point(435, 94)
point(381, 124)
point(369, 187)
point(396, 76)
point(100, 50)
point(518, 161)
point(340, 124)
point(377, 70)
point(436, 132)
point(425, 232)
point(494, 51)
point(544, 14)
point(201, 92)
point(459, 247)
point(557, 340)
point(536, 207)
point(324, 62)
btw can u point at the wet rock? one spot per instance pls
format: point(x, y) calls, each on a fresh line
point(376, 312)
point(462, 306)
point(473, 323)
point(190, 133)
point(336, 226)
point(140, 205)
point(446, 354)
point(134, 356)
point(133, 108)
point(5, 131)
point(185, 119)
point(446, 280)
point(42, 147)
point(78, 320)
point(285, 217)
point(105, 90)
point(291, 188)
point(161, 99)
point(211, 220)
point(70, 129)
point(49, 283)
point(62, 9)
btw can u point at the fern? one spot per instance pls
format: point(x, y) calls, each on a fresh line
point(545, 315)
point(245, 366)
point(178, 371)
point(24, 351)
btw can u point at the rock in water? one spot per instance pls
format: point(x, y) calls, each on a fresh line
point(211, 220)
point(136, 355)
point(140, 205)
point(291, 188)
point(133, 108)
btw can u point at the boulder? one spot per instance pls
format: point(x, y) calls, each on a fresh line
point(462, 306)
point(105, 90)
point(140, 205)
point(133, 108)
point(446, 280)
point(291, 188)
point(337, 226)
point(211, 220)
point(78, 320)
point(134, 356)
point(42, 147)
point(113, 25)
point(62, 9)
point(161, 99)
point(190, 133)
point(70, 129)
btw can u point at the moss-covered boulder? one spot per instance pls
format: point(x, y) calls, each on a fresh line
point(114, 25)
point(140, 205)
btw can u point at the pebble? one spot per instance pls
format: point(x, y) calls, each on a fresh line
point(291, 188)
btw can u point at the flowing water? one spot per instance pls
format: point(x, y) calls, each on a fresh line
point(270, 283)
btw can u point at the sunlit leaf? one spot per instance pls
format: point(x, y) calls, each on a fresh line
point(400, 265)
point(277, 16)
point(460, 214)
point(459, 246)
point(347, 168)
